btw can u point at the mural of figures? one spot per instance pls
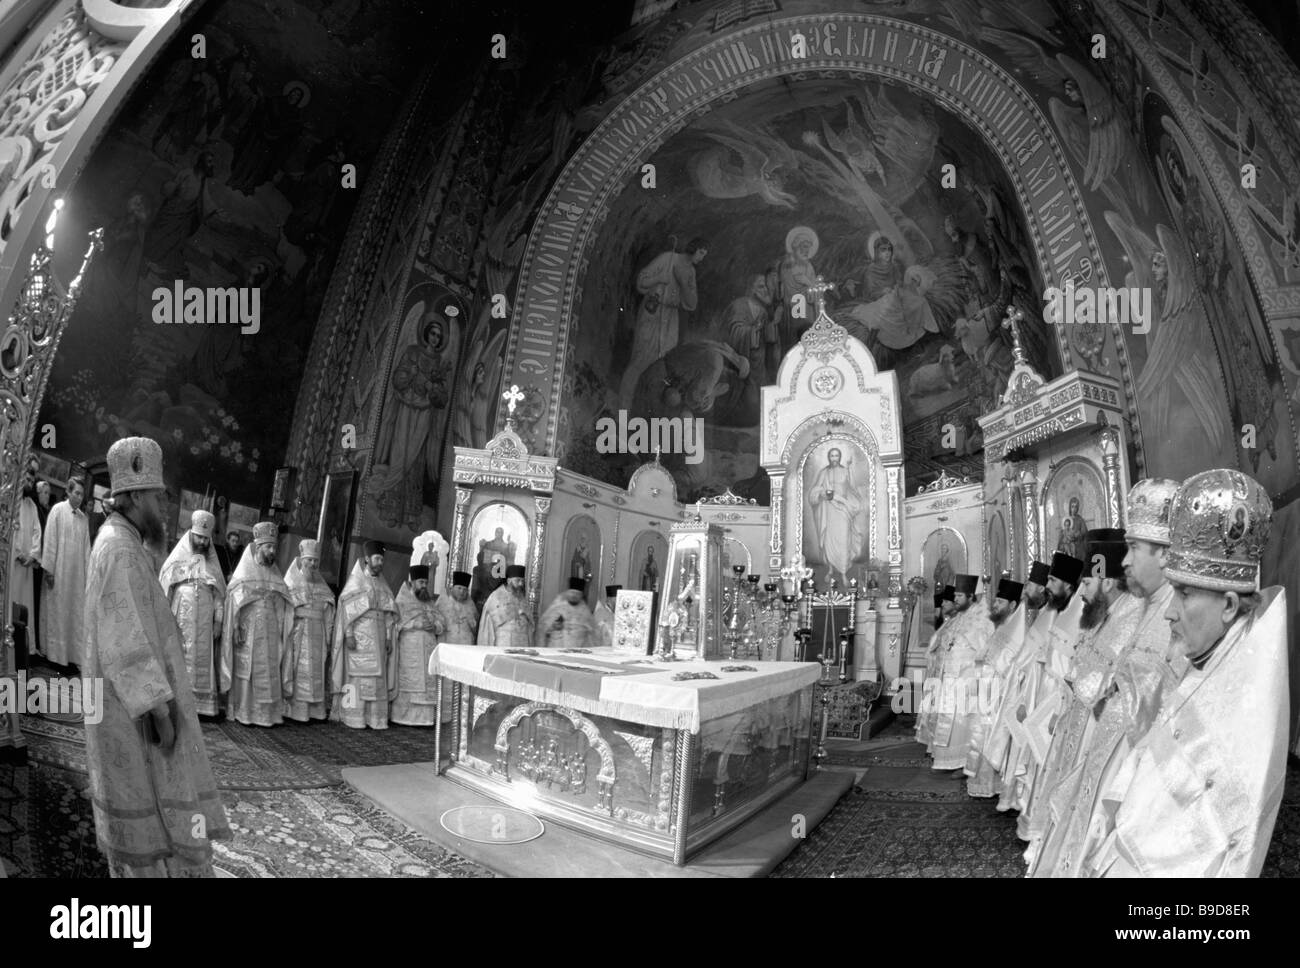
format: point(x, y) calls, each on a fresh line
point(581, 557)
point(944, 573)
point(414, 418)
point(840, 182)
point(498, 535)
point(836, 494)
point(1075, 502)
point(222, 171)
point(649, 552)
point(1208, 262)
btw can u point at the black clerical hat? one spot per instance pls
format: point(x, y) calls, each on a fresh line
point(1065, 567)
point(966, 584)
point(461, 578)
point(373, 548)
point(515, 571)
point(612, 590)
point(417, 572)
point(575, 584)
point(1010, 590)
point(949, 591)
point(1038, 573)
point(1110, 544)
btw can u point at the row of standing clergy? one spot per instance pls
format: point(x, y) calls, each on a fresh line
point(1134, 710)
point(282, 647)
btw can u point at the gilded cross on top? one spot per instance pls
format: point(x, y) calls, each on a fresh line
point(819, 293)
point(1014, 317)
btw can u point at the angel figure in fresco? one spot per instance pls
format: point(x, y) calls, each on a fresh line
point(1178, 385)
point(763, 159)
point(1090, 121)
point(476, 396)
point(409, 439)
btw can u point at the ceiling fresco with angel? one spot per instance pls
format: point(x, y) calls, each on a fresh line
point(688, 302)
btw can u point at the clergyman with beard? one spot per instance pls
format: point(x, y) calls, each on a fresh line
point(305, 691)
point(363, 670)
point(156, 804)
point(196, 592)
point(1034, 596)
point(1110, 617)
point(993, 667)
point(1028, 685)
point(507, 619)
point(259, 622)
point(958, 699)
point(415, 700)
point(65, 555)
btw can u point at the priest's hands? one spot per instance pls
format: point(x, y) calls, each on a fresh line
point(164, 722)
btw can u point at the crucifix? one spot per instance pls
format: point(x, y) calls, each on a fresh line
point(512, 398)
point(1014, 317)
point(819, 293)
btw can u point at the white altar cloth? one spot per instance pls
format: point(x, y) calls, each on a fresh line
point(650, 697)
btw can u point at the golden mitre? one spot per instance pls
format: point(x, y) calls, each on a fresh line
point(1218, 526)
point(135, 464)
point(1149, 502)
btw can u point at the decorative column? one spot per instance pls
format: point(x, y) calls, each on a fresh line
point(774, 561)
point(893, 477)
point(1110, 463)
point(1027, 471)
point(1009, 484)
point(458, 530)
point(543, 505)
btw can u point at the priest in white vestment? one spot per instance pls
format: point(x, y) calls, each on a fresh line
point(1199, 794)
point(65, 553)
point(507, 619)
point(306, 693)
point(1082, 671)
point(604, 616)
point(927, 713)
point(1111, 614)
point(415, 700)
point(259, 622)
point(196, 591)
point(457, 612)
point(567, 622)
point(363, 669)
point(991, 670)
point(156, 804)
point(958, 697)
point(1040, 698)
point(1143, 672)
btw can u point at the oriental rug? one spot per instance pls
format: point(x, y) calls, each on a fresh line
point(293, 756)
point(47, 830)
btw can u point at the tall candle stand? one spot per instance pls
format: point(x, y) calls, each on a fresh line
point(733, 632)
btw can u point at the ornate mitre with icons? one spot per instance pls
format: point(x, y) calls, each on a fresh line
point(1218, 526)
point(1149, 503)
point(135, 464)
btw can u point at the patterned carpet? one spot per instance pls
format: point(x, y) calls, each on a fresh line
point(929, 827)
point(284, 795)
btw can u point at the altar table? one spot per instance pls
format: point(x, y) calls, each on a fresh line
point(616, 747)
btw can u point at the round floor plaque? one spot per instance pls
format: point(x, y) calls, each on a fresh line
point(489, 824)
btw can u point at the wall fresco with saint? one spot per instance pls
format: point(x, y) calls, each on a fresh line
point(689, 302)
